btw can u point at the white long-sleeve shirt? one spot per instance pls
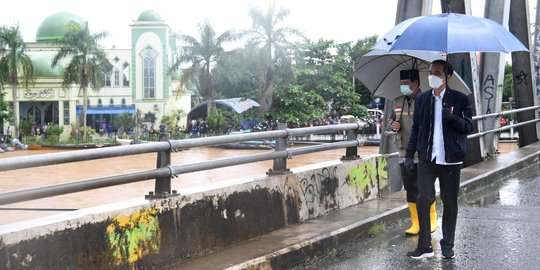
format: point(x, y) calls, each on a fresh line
point(437, 151)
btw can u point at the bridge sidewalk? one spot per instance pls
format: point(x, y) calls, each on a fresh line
point(289, 246)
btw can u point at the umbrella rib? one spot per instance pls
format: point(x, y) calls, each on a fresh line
point(386, 76)
point(369, 61)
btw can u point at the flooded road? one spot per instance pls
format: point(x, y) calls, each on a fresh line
point(56, 174)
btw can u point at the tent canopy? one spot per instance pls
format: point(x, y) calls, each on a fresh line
point(238, 105)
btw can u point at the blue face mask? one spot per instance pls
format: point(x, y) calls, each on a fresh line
point(405, 89)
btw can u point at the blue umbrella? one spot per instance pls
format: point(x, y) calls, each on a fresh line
point(450, 33)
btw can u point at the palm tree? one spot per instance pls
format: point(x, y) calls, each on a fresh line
point(201, 55)
point(271, 38)
point(88, 63)
point(16, 68)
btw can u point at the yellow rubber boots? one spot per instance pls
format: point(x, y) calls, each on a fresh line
point(415, 226)
point(433, 216)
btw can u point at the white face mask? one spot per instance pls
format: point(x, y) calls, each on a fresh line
point(434, 81)
point(405, 89)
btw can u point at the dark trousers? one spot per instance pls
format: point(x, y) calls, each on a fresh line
point(449, 177)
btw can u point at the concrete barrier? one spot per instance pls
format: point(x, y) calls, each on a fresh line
point(151, 234)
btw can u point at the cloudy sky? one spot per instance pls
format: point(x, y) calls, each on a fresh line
point(339, 20)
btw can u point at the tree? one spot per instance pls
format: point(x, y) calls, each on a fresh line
point(508, 85)
point(201, 55)
point(326, 68)
point(361, 47)
point(296, 107)
point(5, 114)
point(272, 39)
point(123, 122)
point(237, 74)
point(16, 67)
point(88, 63)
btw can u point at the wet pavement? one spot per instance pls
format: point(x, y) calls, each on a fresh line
point(326, 235)
point(497, 229)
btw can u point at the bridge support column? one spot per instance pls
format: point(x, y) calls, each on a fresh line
point(524, 81)
point(492, 77)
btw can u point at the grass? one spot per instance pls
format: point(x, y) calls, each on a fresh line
point(376, 229)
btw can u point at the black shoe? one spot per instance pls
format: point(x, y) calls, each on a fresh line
point(421, 253)
point(448, 253)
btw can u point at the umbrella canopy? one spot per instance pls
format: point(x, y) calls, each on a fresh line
point(450, 33)
point(379, 71)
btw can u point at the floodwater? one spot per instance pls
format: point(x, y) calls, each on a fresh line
point(56, 174)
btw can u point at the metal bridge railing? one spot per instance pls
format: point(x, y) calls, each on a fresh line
point(165, 171)
point(507, 127)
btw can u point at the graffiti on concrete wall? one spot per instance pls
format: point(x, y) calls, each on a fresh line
point(489, 92)
point(382, 171)
point(365, 175)
point(132, 237)
point(310, 188)
point(322, 186)
point(521, 78)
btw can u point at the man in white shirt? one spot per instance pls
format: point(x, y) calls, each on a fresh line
point(441, 121)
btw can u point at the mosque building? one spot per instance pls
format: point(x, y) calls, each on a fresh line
point(139, 79)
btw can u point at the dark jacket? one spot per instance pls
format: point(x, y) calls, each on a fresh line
point(454, 133)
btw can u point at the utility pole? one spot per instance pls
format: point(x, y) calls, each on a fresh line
point(492, 76)
point(406, 9)
point(522, 70)
point(464, 64)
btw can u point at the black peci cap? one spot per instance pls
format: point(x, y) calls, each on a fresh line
point(410, 74)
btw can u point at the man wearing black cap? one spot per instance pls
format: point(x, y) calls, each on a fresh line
point(442, 119)
point(401, 122)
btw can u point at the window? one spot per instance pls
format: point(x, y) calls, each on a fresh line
point(66, 113)
point(149, 72)
point(88, 102)
point(106, 76)
point(123, 102)
point(111, 102)
point(99, 102)
point(125, 74)
point(107, 80)
point(116, 77)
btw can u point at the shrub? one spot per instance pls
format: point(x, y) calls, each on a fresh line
point(54, 130)
point(77, 136)
point(216, 121)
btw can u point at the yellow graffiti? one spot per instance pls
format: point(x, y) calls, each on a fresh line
point(132, 237)
point(356, 175)
point(363, 176)
point(382, 171)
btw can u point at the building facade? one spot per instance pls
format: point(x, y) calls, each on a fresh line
point(139, 79)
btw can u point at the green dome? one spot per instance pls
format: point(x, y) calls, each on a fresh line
point(54, 26)
point(149, 15)
point(42, 66)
